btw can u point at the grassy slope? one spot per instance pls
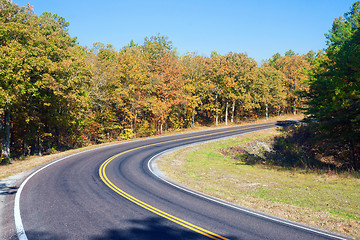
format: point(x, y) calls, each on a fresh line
point(327, 201)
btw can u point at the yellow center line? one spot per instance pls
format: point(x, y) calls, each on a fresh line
point(144, 205)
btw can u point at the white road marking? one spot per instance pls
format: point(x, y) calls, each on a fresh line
point(20, 231)
point(151, 164)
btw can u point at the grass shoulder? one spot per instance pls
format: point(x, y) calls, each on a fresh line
point(323, 199)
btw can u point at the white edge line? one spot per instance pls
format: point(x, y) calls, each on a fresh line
point(20, 231)
point(224, 202)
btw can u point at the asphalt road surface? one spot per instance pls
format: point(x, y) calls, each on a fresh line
point(110, 193)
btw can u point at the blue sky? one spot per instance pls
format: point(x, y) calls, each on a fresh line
point(258, 27)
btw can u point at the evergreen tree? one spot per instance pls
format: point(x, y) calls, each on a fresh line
point(334, 95)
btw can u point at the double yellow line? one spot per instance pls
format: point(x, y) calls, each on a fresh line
point(142, 204)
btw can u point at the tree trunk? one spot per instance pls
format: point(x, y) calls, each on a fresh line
point(241, 111)
point(23, 148)
point(135, 124)
point(193, 119)
point(226, 112)
point(5, 151)
point(294, 107)
point(216, 109)
point(39, 143)
point(355, 159)
point(267, 111)
point(58, 137)
point(233, 111)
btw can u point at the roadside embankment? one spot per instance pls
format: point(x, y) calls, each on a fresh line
point(322, 199)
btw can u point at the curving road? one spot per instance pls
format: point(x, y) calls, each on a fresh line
point(110, 193)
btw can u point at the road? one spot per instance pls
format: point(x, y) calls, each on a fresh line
point(110, 193)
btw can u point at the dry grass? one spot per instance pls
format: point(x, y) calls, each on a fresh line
point(327, 201)
point(18, 166)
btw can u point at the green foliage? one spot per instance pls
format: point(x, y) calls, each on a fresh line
point(42, 79)
point(156, 46)
point(334, 94)
point(290, 53)
point(343, 28)
point(274, 58)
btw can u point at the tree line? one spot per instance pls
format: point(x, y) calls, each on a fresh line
point(56, 94)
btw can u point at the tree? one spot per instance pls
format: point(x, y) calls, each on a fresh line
point(310, 57)
point(42, 79)
point(270, 88)
point(216, 74)
point(290, 53)
point(274, 58)
point(105, 92)
point(342, 29)
point(168, 88)
point(293, 69)
point(334, 94)
point(194, 77)
point(134, 77)
point(239, 81)
point(16, 29)
point(156, 46)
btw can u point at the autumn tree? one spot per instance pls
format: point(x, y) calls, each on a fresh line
point(194, 80)
point(270, 88)
point(169, 87)
point(15, 32)
point(156, 46)
point(216, 70)
point(105, 92)
point(240, 82)
point(293, 66)
point(134, 77)
point(42, 79)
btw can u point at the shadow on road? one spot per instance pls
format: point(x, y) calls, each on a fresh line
point(39, 235)
point(152, 228)
point(6, 190)
point(286, 123)
point(149, 229)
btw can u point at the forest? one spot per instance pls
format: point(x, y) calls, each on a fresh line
point(57, 95)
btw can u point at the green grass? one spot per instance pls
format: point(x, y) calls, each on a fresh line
point(324, 200)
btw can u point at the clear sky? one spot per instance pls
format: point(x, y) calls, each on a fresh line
point(258, 27)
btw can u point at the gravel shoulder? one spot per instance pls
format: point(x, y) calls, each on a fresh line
point(8, 189)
